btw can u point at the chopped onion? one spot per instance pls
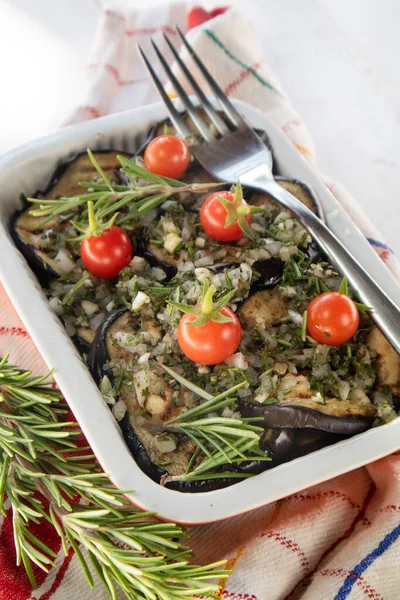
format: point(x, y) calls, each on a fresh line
point(56, 305)
point(171, 242)
point(138, 264)
point(287, 251)
point(186, 267)
point(64, 261)
point(144, 359)
point(141, 383)
point(69, 327)
point(202, 274)
point(319, 372)
point(237, 360)
point(96, 321)
point(295, 317)
point(158, 273)
point(204, 261)
point(89, 307)
point(140, 300)
point(119, 410)
point(165, 444)
point(110, 306)
point(344, 389)
point(105, 385)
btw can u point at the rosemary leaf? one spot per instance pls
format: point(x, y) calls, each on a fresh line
point(152, 564)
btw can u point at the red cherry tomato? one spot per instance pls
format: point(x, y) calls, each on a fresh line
point(197, 15)
point(332, 318)
point(212, 343)
point(107, 254)
point(167, 155)
point(219, 11)
point(213, 217)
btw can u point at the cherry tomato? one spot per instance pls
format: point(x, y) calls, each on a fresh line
point(107, 254)
point(213, 217)
point(332, 318)
point(167, 155)
point(197, 15)
point(212, 343)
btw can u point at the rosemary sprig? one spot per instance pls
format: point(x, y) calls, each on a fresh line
point(221, 440)
point(43, 471)
point(144, 192)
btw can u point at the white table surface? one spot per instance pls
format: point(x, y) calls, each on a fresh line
point(337, 59)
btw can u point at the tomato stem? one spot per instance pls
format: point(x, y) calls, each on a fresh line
point(92, 218)
point(207, 305)
point(207, 310)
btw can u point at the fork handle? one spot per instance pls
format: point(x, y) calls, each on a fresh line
point(386, 314)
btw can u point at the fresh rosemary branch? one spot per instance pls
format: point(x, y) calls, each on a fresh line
point(222, 440)
point(144, 191)
point(43, 472)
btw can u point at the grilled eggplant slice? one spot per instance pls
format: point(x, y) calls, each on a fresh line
point(71, 171)
point(138, 433)
point(31, 235)
point(298, 406)
point(296, 416)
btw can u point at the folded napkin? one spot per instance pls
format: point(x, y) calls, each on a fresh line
point(337, 540)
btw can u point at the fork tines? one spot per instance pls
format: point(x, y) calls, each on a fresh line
point(230, 111)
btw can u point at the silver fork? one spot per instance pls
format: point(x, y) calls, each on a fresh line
point(238, 154)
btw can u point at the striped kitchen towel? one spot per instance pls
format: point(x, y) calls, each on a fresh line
point(337, 540)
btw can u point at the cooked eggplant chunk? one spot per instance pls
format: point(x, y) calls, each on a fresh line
point(37, 237)
point(263, 309)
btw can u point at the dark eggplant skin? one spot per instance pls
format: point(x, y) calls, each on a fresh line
point(270, 271)
point(311, 440)
point(278, 444)
point(144, 250)
point(42, 270)
point(277, 416)
point(98, 354)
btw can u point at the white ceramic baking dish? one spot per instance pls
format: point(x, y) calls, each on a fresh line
point(29, 167)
